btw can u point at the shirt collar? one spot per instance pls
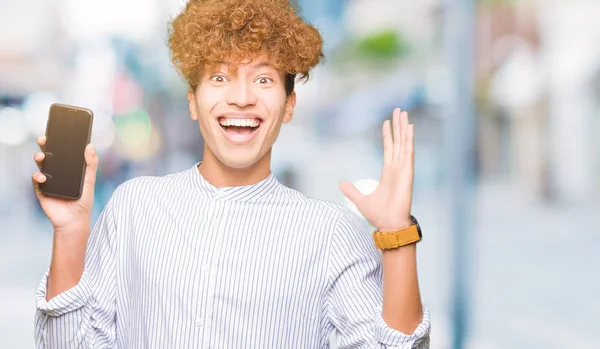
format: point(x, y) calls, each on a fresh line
point(252, 192)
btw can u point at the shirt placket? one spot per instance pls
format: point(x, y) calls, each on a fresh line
point(208, 272)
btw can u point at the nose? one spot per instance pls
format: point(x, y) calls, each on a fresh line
point(240, 94)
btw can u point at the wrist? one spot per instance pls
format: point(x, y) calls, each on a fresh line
point(73, 229)
point(397, 234)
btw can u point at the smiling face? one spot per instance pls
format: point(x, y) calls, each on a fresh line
point(240, 111)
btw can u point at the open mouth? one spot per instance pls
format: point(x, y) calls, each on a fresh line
point(239, 130)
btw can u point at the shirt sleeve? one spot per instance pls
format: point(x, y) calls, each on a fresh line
point(84, 315)
point(355, 294)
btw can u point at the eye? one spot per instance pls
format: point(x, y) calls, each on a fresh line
point(218, 78)
point(264, 80)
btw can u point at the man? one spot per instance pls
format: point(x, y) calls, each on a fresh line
point(222, 255)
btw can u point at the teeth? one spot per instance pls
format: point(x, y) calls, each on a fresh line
point(239, 122)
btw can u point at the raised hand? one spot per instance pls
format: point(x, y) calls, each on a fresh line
point(388, 207)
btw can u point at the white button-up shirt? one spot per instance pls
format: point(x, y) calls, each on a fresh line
point(175, 262)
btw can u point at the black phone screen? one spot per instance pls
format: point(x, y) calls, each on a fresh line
point(67, 134)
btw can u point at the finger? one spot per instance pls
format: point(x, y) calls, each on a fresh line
point(39, 158)
point(403, 119)
point(91, 160)
point(36, 179)
point(397, 125)
point(388, 143)
point(351, 192)
point(403, 131)
point(409, 152)
point(41, 141)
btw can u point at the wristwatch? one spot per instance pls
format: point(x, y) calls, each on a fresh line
point(394, 239)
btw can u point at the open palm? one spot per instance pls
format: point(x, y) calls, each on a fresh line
point(388, 206)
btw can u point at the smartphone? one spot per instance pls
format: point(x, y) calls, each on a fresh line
point(68, 132)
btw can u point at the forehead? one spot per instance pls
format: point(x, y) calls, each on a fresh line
point(245, 63)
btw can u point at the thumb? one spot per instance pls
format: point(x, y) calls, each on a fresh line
point(351, 192)
point(91, 160)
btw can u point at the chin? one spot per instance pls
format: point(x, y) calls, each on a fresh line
point(239, 163)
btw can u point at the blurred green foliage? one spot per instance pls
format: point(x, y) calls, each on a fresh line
point(381, 47)
point(386, 44)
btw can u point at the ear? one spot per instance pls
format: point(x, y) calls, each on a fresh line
point(290, 103)
point(191, 96)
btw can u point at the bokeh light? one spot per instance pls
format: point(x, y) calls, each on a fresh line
point(35, 111)
point(13, 129)
point(365, 186)
point(136, 137)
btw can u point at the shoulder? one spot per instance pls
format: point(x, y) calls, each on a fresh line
point(342, 216)
point(143, 188)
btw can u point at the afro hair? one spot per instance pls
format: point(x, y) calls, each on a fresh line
point(208, 32)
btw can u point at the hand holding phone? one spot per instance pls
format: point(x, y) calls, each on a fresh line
point(68, 164)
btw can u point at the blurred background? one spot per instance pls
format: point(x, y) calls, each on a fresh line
point(504, 95)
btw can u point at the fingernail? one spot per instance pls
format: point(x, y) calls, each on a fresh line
point(42, 178)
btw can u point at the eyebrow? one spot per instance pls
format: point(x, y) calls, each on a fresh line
point(263, 65)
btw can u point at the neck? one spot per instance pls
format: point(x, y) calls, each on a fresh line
point(220, 175)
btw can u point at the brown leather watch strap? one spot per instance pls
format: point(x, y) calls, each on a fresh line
point(395, 239)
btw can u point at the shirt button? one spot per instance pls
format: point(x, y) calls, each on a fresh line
point(200, 322)
point(205, 268)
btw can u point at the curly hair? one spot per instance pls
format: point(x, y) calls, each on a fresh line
point(208, 32)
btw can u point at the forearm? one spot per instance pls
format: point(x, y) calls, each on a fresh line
point(68, 259)
point(402, 308)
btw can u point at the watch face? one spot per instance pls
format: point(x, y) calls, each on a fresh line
point(415, 222)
